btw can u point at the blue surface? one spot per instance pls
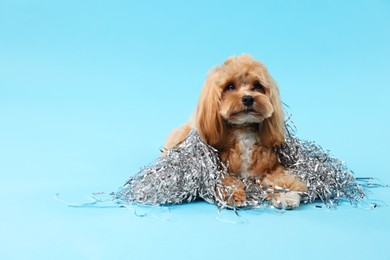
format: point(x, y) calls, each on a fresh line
point(89, 91)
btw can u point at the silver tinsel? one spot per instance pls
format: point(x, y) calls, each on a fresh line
point(193, 170)
point(328, 178)
point(190, 170)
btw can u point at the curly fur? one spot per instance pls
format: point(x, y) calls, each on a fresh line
point(239, 113)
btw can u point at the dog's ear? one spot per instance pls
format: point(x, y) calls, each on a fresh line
point(209, 122)
point(272, 129)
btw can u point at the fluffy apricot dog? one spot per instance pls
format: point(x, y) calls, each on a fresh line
point(240, 114)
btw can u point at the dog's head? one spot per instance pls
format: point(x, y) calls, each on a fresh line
point(240, 92)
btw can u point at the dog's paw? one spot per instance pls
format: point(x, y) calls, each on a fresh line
point(239, 197)
point(235, 194)
point(288, 200)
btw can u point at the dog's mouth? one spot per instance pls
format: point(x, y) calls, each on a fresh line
point(245, 111)
point(245, 116)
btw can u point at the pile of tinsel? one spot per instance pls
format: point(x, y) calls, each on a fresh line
point(192, 170)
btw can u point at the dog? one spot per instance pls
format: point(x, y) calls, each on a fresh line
point(239, 113)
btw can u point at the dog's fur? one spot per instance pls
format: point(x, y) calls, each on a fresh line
point(240, 114)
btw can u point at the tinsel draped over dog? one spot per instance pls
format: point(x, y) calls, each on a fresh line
point(193, 170)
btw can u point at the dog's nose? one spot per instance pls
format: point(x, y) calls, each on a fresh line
point(247, 100)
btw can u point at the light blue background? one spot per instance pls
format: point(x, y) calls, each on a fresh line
point(90, 89)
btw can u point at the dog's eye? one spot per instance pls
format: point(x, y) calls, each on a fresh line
point(257, 86)
point(230, 86)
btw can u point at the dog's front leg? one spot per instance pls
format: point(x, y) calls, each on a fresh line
point(291, 197)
